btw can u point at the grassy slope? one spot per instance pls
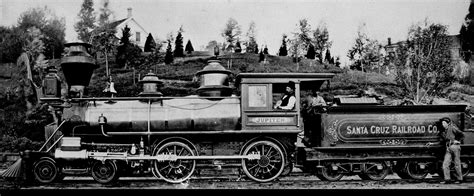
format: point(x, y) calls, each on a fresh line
point(179, 75)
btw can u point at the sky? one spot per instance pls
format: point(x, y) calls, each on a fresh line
point(204, 20)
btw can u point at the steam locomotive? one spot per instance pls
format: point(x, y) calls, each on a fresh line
point(174, 138)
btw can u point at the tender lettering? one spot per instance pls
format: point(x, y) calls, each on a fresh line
point(391, 130)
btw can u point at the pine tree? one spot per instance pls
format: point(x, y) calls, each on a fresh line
point(189, 47)
point(328, 56)
point(169, 55)
point(311, 54)
point(86, 21)
point(178, 44)
point(122, 48)
point(238, 48)
point(265, 50)
point(150, 44)
point(261, 57)
point(251, 45)
point(283, 50)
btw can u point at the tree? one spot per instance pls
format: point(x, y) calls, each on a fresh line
point(33, 49)
point(105, 13)
point(103, 36)
point(366, 53)
point(211, 45)
point(283, 51)
point(105, 42)
point(265, 50)
point(238, 48)
point(127, 53)
point(321, 40)
point(261, 57)
point(423, 63)
point(251, 44)
point(301, 40)
point(327, 58)
point(169, 55)
point(189, 47)
point(86, 21)
point(231, 33)
point(467, 34)
point(150, 44)
point(311, 54)
point(337, 62)
point(178, 44)
point(52, 27)
point(11, 43)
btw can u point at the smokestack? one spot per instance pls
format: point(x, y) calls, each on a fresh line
point(129, 12)
point(389, 41)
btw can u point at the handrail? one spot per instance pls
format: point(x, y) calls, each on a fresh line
point(52, 135)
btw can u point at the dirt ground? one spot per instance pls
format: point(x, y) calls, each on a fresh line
point(294, 181)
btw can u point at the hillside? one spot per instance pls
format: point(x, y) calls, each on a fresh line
point(178, 76)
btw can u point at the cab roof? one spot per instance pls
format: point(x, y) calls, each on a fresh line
point(306, 80)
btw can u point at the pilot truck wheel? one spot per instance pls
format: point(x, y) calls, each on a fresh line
point(104, 172)
point(45, 170)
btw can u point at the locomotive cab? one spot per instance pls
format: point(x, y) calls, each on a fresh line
point(260, 92)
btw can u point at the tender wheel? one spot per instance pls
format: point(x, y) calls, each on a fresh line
point(269, 166)
point(104, 172)
point(400, 170)
point(174, 171)
point(374, 172)
point(414, 171)
point(45, 170)
point(327, 173)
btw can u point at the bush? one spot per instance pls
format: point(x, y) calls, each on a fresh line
point(14, 144)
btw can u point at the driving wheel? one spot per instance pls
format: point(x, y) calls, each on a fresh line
point(174, 171)
point(269, 166)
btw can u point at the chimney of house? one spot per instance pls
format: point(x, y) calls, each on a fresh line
point(129, 12)
point(389, 41)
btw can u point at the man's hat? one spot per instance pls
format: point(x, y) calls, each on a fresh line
point(291, 84)
point(448, 120)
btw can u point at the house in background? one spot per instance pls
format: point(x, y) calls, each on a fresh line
point(138, 34)
point(454, 48)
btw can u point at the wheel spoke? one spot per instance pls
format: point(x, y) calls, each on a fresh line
point(165, 167)
point(182, 150)
point(269, 152)
point(256, 171)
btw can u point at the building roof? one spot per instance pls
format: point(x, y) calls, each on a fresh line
point(117, 23)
